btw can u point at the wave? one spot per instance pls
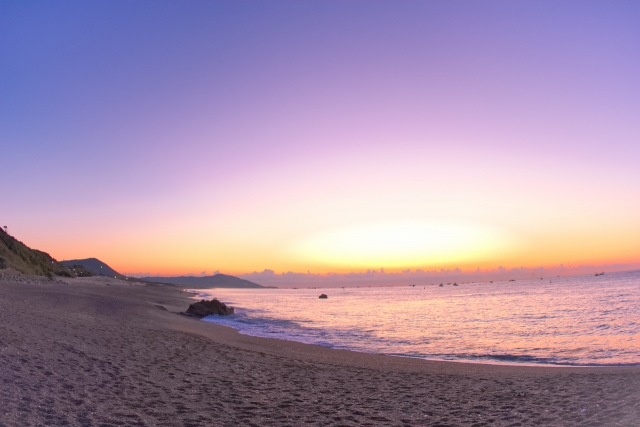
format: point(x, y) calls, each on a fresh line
point(569, 323)
point(288, 330)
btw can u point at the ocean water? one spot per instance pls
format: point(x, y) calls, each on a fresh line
point(580, 320)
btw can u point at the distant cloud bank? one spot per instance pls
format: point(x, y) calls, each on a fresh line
point(408, 277)
point(424, 277)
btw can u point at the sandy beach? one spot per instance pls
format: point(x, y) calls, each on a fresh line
point(104, 352)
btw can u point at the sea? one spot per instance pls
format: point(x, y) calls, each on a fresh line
point(576, 321)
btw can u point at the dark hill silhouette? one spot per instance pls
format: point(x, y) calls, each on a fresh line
point(18, 256)
point(215, 281)
point(95, 266)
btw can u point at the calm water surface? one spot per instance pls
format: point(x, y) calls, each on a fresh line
point(581, 320)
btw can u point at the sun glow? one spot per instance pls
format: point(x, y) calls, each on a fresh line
point(401, 244)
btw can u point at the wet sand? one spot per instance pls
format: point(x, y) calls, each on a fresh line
point(102, 352)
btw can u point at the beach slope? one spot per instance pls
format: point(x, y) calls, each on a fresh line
point(101, 351)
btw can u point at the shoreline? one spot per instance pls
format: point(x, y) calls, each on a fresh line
point(345, 357)
point(463, 361)
point(460, 361)
point(237, 337)
point(102, 351)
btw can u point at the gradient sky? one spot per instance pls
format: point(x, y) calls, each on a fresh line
point(182, 137)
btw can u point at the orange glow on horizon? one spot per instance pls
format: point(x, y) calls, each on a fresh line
point(372, 223)
point(155, 259)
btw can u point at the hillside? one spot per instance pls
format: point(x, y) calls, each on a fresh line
point(94, 266)
point(18, 256)
point(215, 281)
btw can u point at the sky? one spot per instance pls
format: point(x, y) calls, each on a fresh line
point(320, 137)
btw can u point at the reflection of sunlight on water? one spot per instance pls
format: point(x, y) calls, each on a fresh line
point(577, 320)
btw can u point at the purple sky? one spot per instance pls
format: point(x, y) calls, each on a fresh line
point(185, 136)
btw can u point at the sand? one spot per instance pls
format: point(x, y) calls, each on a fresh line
point(102, 352)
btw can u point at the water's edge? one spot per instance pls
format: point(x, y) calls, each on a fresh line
point(579, 321)
point(504, 360)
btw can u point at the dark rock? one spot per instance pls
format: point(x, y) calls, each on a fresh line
point(323, 296)
point(207, 308)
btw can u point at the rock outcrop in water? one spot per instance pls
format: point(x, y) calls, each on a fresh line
point(208, 308)
point(323, 296)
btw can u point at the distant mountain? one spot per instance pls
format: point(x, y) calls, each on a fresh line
point(215, 281)
point(18, 256)
point(94, 266)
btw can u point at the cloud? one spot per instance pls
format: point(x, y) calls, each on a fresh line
point(422, 277)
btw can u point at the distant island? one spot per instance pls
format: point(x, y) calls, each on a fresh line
point(203, 282)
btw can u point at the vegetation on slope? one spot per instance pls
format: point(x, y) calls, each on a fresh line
point(18, 256)
point(93, 266)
